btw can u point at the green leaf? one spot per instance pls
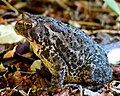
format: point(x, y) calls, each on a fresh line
point(113, 5)
point(2, 68)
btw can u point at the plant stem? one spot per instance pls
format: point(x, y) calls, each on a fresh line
point(11, 7)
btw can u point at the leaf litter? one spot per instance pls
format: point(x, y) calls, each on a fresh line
point(20, 73)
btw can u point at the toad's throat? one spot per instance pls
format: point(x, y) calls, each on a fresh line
point(37, 50)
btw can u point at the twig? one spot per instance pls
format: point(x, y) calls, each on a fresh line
point(11, 7)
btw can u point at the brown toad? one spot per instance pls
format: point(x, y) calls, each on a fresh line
point(70, 54)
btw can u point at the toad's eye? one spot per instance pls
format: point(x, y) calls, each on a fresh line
point(28, 25)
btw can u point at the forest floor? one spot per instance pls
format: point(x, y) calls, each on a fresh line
point(20, 73)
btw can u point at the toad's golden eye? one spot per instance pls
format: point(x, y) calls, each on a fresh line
point(28, 25)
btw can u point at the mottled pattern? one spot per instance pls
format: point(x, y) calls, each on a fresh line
point(70, 54)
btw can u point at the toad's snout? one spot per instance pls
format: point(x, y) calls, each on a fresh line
point(19, 27)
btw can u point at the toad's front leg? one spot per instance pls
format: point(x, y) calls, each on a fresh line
point(57, 67)
point(59, 70)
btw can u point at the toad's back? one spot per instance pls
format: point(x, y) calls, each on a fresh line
point(69, 53)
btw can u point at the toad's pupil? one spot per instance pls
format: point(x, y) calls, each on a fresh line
point(28, 25)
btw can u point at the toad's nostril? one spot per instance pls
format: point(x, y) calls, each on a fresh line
point(19, 23)
point(18, 26)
